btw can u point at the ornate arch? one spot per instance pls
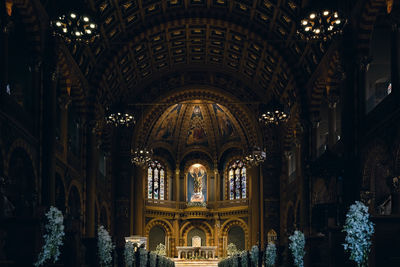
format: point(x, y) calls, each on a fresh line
point(377, 166)
point(234, 222)
point(203, 225)
point(34, 27)
point(158, 222)
point(371, 10)
point(75, 81)
point(327, 84)
point(30, 151)
point(77, 186)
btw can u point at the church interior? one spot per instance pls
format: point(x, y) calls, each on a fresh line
point(197, 124)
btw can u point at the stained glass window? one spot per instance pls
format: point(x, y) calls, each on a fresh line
point(155, 180)
point(237, 180)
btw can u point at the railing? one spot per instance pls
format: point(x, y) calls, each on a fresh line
point(210, 205)
point(144, 258)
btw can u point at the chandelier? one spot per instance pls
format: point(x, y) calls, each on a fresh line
point(120, 119)
point(118, 116)
point(141, 156)
point(255, 156)
point(74, 25)
point(321, 21)
point(273, 113)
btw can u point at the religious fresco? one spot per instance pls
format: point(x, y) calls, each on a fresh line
point(225, 125)
point(197, 134)
point(197, 183)
point(166, 129)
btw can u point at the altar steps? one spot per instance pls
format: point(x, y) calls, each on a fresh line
point(195, 263)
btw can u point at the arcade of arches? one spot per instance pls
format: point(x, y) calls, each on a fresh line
point(194, 73)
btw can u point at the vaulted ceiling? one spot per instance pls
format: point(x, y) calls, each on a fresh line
point(146, 43)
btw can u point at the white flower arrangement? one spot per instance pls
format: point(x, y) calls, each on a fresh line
point(270, 255)
point(143, 257)
point(231, 250)
point(53, 237)
point(244, 259)
point(254, 256)
point(297, 245)
point(105, 247)
point(161, 250)
point(129, 254)
point(153, 259)
point(359, 230)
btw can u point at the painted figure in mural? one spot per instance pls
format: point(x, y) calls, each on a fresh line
point(225, 125)
point(196, 133)
point(167, 126)
point(197, 174)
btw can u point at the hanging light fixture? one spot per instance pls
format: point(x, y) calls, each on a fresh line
point(255, 156)
point(141, 156)
point(273, 113)
point(118, 116)
point(321, 20)
point(75, 25)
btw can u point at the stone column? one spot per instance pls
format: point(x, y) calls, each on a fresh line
point(64, 102)
point(314, 136)
point(332, 137)
point(177, 181)
point(49, 139)
point(217, 227)
point(255, 204)
point(303, 182)
point(395, 60)
point(217, 185)
point(4, 32)
point(139, 200)
point(261, 201)
point(176, 235)
point(91, 176)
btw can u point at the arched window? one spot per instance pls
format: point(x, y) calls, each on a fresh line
point(378, 74)
point(237, 180)
point(155, 180)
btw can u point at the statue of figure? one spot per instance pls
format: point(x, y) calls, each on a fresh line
point(197, 175)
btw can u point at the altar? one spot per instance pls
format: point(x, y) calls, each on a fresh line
point(190, 252)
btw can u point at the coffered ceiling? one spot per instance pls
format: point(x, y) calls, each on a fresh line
point(143, 41)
